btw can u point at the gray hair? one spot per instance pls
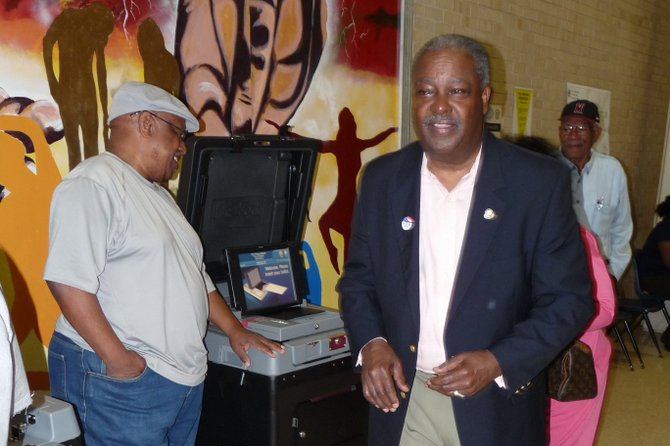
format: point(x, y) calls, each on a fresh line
point(463, 43)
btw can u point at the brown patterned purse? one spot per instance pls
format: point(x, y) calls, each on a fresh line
point(572, 375)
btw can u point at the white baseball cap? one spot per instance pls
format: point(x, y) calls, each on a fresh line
point(133, 97)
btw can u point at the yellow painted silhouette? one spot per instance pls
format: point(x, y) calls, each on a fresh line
point(24, 221)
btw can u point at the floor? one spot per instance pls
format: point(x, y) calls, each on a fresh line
point(637, 403)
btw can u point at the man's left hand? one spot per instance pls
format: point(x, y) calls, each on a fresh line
point(465, 374)
point(242, 340)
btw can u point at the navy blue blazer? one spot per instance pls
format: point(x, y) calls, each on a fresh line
point(522, 290)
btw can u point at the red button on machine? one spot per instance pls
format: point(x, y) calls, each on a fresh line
point(337, 342)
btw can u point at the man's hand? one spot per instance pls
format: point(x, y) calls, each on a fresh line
point(465, 374)
point(382, 375)
point(129, 365)
point(83, 311)
point(241, 340)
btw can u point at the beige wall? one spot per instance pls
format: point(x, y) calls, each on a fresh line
point(615, 45)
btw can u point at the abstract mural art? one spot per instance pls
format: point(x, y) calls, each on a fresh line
point(325, 69)
point(245, 62)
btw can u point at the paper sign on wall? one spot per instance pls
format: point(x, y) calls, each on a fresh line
point(494, 120)
point(602, 99)
point(523, 111)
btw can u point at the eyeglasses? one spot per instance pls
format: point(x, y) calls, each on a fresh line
point(182, 133)
point(566, 129)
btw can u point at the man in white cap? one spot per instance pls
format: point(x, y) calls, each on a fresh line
point(127, 271)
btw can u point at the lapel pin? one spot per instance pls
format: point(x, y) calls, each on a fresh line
point(408, 223)
point(490, 214)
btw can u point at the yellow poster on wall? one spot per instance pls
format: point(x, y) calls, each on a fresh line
point(523, 111)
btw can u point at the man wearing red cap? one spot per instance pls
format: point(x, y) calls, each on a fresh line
point(599, 187)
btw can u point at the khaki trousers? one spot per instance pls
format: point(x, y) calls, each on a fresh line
point(430, 417)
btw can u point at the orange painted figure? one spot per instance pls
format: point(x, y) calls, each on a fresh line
point(24, 220)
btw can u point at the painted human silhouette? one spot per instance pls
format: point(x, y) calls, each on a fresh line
point(24, 221)
point(160, 66)
point(81, 34)
point(347, 148)
point(246, 61)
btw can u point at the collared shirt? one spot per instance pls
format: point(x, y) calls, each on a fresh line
point(600, 200)
point(442, 224)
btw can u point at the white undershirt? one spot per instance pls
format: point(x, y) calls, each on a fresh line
point(442, 224)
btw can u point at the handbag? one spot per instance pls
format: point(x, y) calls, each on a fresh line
point(572, 375)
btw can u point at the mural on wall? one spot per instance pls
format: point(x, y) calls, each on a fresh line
point(328, 69)
point(347, 148)
point(353, 107)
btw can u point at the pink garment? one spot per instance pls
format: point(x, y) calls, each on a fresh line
point(575, 423)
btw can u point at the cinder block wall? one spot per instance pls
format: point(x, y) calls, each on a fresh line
point(615, 45)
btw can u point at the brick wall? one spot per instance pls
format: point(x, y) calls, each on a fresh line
point(623, 47)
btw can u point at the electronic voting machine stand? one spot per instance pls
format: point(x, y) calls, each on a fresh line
point(247, 199)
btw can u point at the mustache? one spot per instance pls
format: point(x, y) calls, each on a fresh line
point(440, 119)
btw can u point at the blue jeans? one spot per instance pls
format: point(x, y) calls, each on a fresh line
point(146, 410)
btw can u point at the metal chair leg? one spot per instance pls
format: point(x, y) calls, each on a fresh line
point(665, 313)
point(623, 347)
point(634, 342)
point(652, 334)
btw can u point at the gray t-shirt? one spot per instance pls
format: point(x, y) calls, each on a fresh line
point(115, 234)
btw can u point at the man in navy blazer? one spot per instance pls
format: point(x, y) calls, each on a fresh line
point(466, 274)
